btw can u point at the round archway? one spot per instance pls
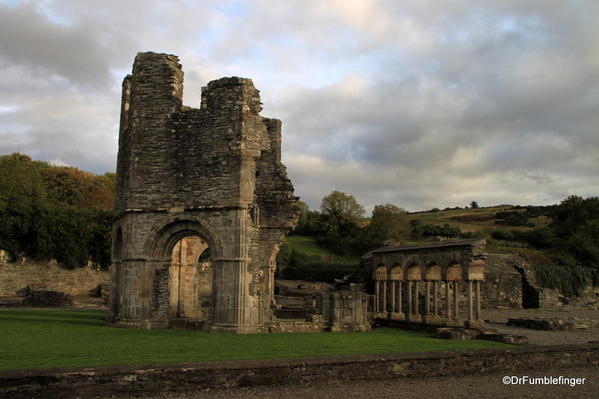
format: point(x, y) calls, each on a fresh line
point(190, 278)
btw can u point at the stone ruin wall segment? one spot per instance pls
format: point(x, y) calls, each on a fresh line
point(213, 171)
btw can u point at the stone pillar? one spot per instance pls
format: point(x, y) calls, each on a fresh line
point(470, 302)
point(416, 301)
point(377, 296)
point(384, 283)
point(456, 292)
point(435, 298)
point(447, 300)
point(400, 299)
point(477, 300)
point(427, 298)
point(393, 297)
point(410, 309)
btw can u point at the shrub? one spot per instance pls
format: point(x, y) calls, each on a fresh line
point(298, 266)
point(502, 235)
point(570, 280)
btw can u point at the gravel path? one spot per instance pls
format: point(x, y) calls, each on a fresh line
point(501, 315)
point(488, 386)
point(496, 319)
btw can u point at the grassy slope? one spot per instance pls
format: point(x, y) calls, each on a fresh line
point(479, 219)
point(482, 221)
point(53, 338)
point(307, 246)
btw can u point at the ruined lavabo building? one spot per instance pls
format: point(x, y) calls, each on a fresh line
point(435, 284)
point(198, 184)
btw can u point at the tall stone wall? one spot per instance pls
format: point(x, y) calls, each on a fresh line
point(213, 172)
point(49, 276)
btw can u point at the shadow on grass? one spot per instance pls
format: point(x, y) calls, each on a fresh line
point(72, 317)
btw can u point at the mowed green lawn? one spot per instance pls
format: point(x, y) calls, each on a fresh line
point(31, 339)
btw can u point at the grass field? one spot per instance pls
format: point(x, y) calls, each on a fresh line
point(33, 339)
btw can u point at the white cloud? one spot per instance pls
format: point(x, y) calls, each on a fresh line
point(421, 103)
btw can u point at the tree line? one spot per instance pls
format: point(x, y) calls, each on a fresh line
point(63, 213)
point(55, 212)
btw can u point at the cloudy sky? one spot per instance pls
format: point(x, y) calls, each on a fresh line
point(418, 103)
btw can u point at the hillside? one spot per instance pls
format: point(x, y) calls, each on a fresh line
point(482, 220)
point(301, 258)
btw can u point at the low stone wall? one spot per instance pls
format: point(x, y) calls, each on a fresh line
point(121, 381)
point(49, 276)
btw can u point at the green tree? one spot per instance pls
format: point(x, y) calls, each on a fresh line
point(308, 220)
point(474, 205)
point(341, 204)
point(49, 212)
point(386, 223)
point(337, 227)
point(21, 197)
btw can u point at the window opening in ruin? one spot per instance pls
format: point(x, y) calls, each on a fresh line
point(190, 280)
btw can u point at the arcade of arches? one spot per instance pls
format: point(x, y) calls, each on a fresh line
point(438, 284)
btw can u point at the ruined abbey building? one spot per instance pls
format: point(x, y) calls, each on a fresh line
point(190, 181)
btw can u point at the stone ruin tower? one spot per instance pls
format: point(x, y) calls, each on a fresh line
point(203, 203)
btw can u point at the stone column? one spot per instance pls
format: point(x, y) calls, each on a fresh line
point(456, 291)
point(384, 283)
point(377, 296)
point(410, 309)
point(470, 303)
point(400, 294)
point(435, 298)
point(477, 300)
point(416, 301)
point(393, 297)
point(447, 300)
point(427, 298)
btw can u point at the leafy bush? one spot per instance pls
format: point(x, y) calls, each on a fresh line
point(570, 280)
point(433, 230)
point(502, 235)
point(298, 266)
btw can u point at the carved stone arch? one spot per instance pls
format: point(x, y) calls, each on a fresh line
point(414, 272)
point(198, 252)
point(171, 229)
point(397, 273)
point(381, 273)
point(433, 272)
point(453, 272)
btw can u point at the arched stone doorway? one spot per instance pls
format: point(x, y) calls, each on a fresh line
point(190, 280)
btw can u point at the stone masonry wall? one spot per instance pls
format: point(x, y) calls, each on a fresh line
point(213, 172)
point(49, 276)
point(160, 379)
